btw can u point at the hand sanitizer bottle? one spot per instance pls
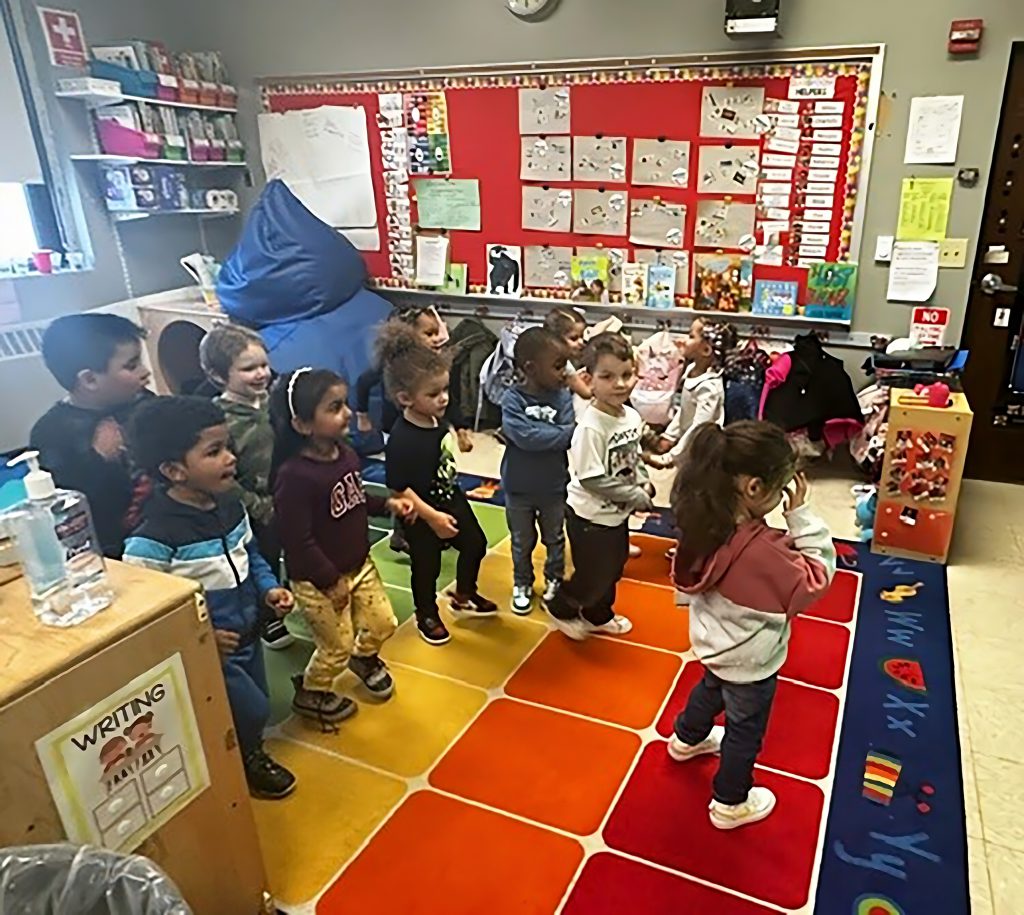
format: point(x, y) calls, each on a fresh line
point(58, 549)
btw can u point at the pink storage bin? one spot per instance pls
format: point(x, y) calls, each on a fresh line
point(199, 150)
point(123, 141)
point(167, 87)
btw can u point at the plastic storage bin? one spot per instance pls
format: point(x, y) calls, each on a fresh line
point(123, 141)
point(133, 82)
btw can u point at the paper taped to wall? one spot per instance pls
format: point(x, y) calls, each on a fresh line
point(934, 133)
point(914, 273)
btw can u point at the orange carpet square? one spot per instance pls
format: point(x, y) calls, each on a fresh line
point(657, 621)
point(601, 678)
point(472, 861)
point(570, 768)
point(651, 565)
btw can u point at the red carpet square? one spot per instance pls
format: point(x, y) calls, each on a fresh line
point(662, 817)
point(610, 885)
point(543, 765)
point(600, 678)
point(472, 861)
point(657, 621)
point(817, 653)
point(839, 603)
point(651, 565)
point(800, 732)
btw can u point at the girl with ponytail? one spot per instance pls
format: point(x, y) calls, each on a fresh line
point(746, 582)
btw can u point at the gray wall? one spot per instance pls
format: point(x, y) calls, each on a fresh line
point(331, 36)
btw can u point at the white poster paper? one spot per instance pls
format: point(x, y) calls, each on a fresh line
point(544, 111)
point(599, 159)
point(812, 87)
point(934, 133)
point(914, 272)
point(661, 163)
point(431, 259)
point(126, 766)
point(548, 267)
point(545, 159)
point(363, 239)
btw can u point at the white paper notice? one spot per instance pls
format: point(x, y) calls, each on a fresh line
point(812, 87)
point(914, 273)
point(431, 260)
point(934, 133)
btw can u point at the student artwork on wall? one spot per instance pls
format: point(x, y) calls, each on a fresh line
point(657, 224)
point(600, 212)
point(678, 259)
point(455, 280)
point(548, 267)
point(544, 111)
point(732, 111)
point(724, 224)
point(728, 169)
point(547, 209)
point(426, 119)
point(505, 270)
point(661, 163)
point(545, 159)
point(599, 159)
point(722, 282)
point(616, 262)
point(775, 297)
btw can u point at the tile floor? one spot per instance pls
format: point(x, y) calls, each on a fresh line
point(986, 582)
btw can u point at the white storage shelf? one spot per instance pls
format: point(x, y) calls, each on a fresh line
point(132, 215)
point(96, 99)
point(111, 159)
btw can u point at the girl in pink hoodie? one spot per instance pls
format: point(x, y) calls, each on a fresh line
point(746, 582)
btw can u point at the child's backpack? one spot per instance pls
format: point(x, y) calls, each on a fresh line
point(659, 366)
point(499, 369)
point(743, 376)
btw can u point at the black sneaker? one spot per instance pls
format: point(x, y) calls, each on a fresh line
point(276, 636)
point(374, 674)
point(267, 779)
point(472, 606)
point(320, 705)
point(398, 543)
point(432, 629)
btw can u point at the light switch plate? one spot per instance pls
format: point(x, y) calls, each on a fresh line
point(883, 248)
point(953, 252)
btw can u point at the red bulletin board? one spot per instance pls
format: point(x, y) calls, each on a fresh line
point(483, 125)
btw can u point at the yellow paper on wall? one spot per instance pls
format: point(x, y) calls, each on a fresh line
point(924, 209)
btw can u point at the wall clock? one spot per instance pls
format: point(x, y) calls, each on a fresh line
point(531, 10)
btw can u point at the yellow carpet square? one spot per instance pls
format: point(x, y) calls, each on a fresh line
point(406, 734)
point(309, 836)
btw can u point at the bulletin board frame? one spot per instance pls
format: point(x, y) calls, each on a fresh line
point(862, 64)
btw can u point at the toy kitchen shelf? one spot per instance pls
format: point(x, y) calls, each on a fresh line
point(925, 451)
point(95, 98)
point(112, 159)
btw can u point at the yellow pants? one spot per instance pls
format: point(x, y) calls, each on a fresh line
point(361, 628)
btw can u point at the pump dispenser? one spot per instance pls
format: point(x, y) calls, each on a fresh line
point(58, 549)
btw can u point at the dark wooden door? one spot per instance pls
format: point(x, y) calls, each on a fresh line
point(994, 327)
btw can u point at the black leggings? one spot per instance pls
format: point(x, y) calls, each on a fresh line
point(425, 549)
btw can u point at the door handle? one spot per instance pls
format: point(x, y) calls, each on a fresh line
point(992, 284)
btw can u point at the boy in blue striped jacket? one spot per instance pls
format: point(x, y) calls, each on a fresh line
point(194, 526)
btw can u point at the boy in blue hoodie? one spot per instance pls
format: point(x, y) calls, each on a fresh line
point(538, 421)
point(194, 525)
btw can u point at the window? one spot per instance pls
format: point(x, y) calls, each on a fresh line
point(17, 232)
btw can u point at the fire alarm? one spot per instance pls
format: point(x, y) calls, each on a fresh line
point(752, 17)
point(965, 36)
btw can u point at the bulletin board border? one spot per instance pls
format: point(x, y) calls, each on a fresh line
point(864, 61)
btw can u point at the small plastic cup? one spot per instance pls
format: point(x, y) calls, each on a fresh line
point(43, 259)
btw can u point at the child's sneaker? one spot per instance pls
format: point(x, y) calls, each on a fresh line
point(551, 587)
point(634, 551)
point(398, 543)
point(267, 779)
point(576, 629)
point(275, 635)
point(684, 752)
point(759, 803)
point(471, 606)
point(432, 629)
point(618, 625)
point(522, 600)
point(320, 705)
point(374, 674)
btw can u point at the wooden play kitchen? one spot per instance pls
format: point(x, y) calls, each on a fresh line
point(118, 732)
point(925, 451)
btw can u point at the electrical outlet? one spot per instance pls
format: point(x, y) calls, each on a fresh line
point(1002, 318)
point(953, 253)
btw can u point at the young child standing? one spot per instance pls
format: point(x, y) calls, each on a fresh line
point(194, 526)
point(538, 421)
point(747, 582)
point(97, 359)
point(235, 361)
point(321, 509)
point(569, 326)
point(702, 390)
point(608, 484)
point(420, 466)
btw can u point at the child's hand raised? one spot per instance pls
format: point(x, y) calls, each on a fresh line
point(796, 496)
point(465, 440)
point(363, 423)
point(445, 526)
point(281, 601)
point(402, 507)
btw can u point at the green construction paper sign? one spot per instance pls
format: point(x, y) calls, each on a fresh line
point(447, 203)
point(455, 280)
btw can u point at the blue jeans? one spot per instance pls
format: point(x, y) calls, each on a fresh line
point(525, 514)
point(248, 694)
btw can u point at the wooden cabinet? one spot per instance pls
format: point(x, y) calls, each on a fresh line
point(49, 676)
point(925, 451)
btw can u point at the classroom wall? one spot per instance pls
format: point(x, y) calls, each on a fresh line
point(327, 36)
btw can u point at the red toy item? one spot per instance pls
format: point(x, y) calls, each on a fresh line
point(934, 395)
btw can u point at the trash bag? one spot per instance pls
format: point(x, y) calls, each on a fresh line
point(81, 880)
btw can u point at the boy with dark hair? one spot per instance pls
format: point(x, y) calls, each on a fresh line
point(195, 527)
point(538, 421)
point(97, 359)
point(608, 484)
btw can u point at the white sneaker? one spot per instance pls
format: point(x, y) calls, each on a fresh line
point(576, 629)
point(759, 803)
point(551, 587)
point(684, 752)
point(618, 625)
point(522, 600)
point(634, 551)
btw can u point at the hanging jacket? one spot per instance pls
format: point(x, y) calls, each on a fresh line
point(471, 342)
point(815, 390)
point(659, 365)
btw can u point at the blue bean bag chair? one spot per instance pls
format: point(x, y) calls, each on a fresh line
point(302, 285)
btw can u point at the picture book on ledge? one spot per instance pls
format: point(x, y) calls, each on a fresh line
point(775, 297)
point(831, 291)
point(722, 282)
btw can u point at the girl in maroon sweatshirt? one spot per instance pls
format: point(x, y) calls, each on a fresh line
point(321, 509)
